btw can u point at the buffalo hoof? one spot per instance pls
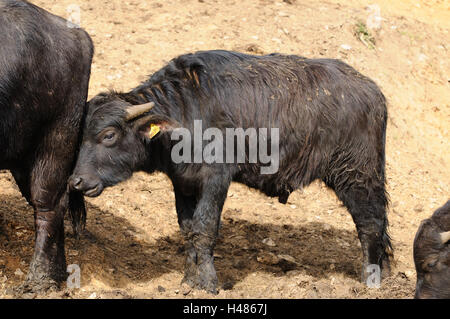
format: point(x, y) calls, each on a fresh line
point(34, 288)
point(207, 282)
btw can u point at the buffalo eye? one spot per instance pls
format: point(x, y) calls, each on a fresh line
point(429, 264)
point(109, 137)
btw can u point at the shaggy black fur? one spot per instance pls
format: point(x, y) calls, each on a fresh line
point(44, 75)
point(332, 123)
point(432, 256)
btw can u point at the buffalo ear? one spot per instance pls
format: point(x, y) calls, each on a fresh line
point(153, 126)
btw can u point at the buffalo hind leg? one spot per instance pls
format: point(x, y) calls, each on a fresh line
point(185, 206)
point(49, 172)
point(367, 207)
point(48, 265)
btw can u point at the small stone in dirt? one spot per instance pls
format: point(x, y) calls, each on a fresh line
point(141, 41)
point(92, 295)
point(177, 291)
point(268, 259)
point(254, 48)
point(286, 262)
point(268, 242)
point(418, 208)
point(28, 295)
point(18, 272)
point(161, 289)
point(293, 273)
point(287, 258)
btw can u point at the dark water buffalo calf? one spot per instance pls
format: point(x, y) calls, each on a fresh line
point(44, 75)
point(331, 122)
point(432, 255)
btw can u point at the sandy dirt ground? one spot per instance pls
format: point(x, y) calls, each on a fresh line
point(132, 247)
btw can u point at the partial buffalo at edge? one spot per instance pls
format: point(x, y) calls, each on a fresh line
point(45, 66)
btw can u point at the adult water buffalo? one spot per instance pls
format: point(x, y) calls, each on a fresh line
point(44, 73)
point(326, 122)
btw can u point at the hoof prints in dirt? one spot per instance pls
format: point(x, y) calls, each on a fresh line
point(117, 258)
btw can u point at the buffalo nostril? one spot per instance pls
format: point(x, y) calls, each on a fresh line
point(76, 183)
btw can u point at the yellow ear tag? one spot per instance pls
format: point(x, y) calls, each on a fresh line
point(154, 129)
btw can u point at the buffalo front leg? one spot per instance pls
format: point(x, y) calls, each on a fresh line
point(201, 231)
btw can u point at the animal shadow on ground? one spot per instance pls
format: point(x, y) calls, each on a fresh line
point(110, 251)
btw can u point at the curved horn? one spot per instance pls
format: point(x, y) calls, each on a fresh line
point(136, 110)
point(445, 237)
